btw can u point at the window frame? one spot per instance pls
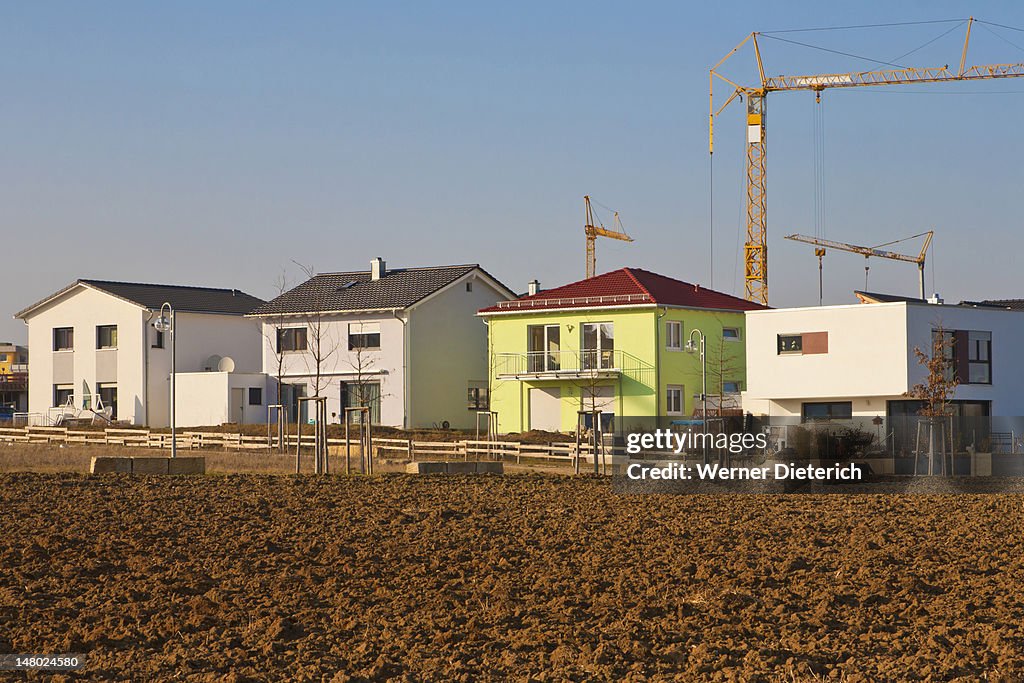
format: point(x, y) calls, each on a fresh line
point(69, 332)
point(249, 394)
point(679, 389)
point(780, 351)
point(354, 338)
point(670, 325)
point(737, 337)
point(594, 358)
point(972, 348)
point(283, 333)
point(739, 386)
point(111, 331)
point(544, 359)
point(478, 397)
point(831, 417)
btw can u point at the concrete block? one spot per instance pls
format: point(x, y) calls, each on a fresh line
point(461, 468)
point(426, 468)
point(149, 465)
point(490, 468)
point(104, 464)
point(186, 465)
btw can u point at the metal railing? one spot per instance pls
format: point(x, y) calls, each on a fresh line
point(567, 362)
point(575, 301)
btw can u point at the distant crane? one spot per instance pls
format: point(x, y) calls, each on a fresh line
point(868, 252)
point(593, 231)
point(756, 246)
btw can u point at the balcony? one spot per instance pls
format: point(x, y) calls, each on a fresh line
point(537, 365)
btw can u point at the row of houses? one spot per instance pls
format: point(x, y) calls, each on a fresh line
point(438, 346)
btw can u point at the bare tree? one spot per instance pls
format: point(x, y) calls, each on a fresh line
point(271, 327)
point(321, 341)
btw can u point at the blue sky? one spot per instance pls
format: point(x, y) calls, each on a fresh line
point(218, 143)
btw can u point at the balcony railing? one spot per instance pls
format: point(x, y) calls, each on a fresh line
point(567, 363)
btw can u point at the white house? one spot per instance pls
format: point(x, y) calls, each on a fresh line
point(404, 342)
point(858, 361)
point(93, 344)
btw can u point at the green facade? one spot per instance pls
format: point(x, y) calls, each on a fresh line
point(631, 381)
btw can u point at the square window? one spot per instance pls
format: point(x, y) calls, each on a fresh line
point(790, 343)
point(255, 396)
point(291, 339)
point(106, 336)
point(63, 338)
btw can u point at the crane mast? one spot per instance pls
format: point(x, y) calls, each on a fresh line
point(593, 231)
point(755, 248)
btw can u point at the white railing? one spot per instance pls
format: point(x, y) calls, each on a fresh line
point(576, 301)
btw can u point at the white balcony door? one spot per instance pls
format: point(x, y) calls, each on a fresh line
point(546, 409)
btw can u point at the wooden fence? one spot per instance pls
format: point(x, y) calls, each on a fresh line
point(393, 449)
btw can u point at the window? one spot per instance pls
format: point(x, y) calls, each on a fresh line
point(731, 333)
point(598, 346)
point(543, 344)
point(673, 335)
point(365, 395)
point(469, 286)
point(363, 336)
point(674, 400)
point(824, 412)
point(158, 339)
point(108, 397)
point(291, 339)
point(979, 357)
point(790, 343)
point(255, 396)
point(63, 339)
point(63, 394)
point(106, 336)
point(730, 387)
point(477, 396)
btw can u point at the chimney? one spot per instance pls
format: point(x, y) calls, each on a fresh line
point(378, 268)
point(533, 287)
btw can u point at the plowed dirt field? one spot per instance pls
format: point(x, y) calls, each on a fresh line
point(250, 577)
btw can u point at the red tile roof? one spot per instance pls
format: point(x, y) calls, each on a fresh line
point(624, 287)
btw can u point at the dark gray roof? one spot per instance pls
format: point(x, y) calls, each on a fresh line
point(356, 291)
point(1012, 304)
point(180, 297)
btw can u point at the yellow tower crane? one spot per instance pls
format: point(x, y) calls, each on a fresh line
point(593, 231)
point(868, 252)
point(756, 246)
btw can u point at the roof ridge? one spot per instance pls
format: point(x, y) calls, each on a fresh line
point(629, 272)
point(93, 281)
point(403, 268)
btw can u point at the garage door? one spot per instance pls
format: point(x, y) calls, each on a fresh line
point(546, 409)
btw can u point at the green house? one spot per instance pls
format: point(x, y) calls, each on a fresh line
point(625, 344)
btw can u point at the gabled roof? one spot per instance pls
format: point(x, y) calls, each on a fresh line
point(627, 287)
point(182, 298)
point(351, 291)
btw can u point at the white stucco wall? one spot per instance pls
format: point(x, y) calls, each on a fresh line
point(871, 358)
point(204, 398)
point(341, 365)
point(84, 309)
point(135, 363)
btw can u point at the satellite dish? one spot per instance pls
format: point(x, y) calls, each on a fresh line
point(226, 364)
point(212, 363)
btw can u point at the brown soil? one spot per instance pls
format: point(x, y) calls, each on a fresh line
point(506, 578)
